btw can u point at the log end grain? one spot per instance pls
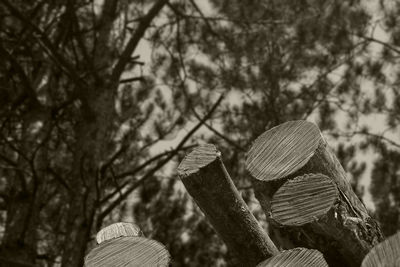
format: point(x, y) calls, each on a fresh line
point(128, 251)
point(200, 157)
point(297, 257)
point(303, 200)
point(283, 150)
point(117, 230)
point(386, 253)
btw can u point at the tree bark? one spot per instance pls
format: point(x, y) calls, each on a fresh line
point(207, 181)
point(94, 132)
point(297, 148)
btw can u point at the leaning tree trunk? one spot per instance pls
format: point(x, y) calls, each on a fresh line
point(318, 209)
point(207, 181)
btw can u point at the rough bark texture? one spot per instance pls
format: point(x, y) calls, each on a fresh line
point(301, 150)
point(94, 132)
point(296, 257)
point(386, 253)
point(208, 182)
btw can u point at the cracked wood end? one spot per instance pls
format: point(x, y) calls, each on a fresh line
point(117, 230)
point(303, 200)
point(128, 251)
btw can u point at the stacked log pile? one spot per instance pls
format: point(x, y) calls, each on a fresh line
point(315, 218)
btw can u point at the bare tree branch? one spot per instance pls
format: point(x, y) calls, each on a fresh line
point(385, 44)
point(48, 45)
point(379, 136)
point(134, 41)
point(134, 79)
point(150, 174)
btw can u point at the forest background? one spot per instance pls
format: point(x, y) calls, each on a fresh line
point(101, 99)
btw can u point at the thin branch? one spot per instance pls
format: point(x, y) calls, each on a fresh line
point(351, 134)
point(28, 91)
point(206, 21)
point(150, 174)
point(371, 39)
point(143, 165)
point(47, 44)
point(134, 79)
point(59, 179)
point(113, 193)
point(136, 171)
point(183, 66)
point(105, 165)
point(212, 129)
point(134, 41)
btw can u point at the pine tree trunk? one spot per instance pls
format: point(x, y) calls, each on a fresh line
point(94, 137)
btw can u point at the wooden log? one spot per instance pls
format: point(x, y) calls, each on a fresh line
point(311, 205)
point(207, 181)
point(304, 199)
point(116, 230)
point(123, 244)
point(297, 257)
point(386, 253)
point(129, 252)
point(297, 148)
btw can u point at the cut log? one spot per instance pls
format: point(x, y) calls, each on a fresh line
point(305, 199)
point(297, 257)
point(297, 148)
point(312, 206)
point(117, 230)
point(386, 253)
point(207, 181)
point(129, 252)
